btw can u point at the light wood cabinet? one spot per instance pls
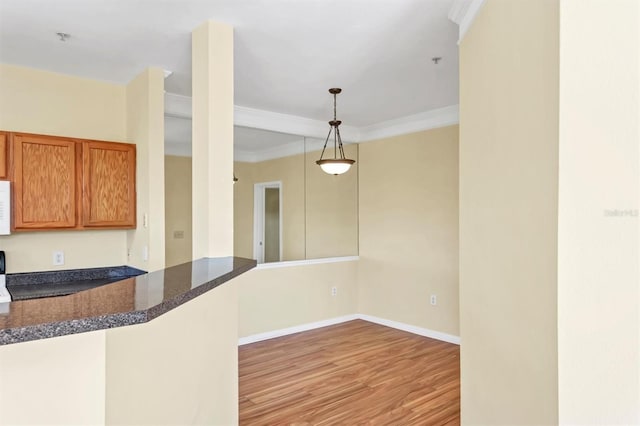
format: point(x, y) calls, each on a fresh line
point(109, 193)
point(4, 150)
point(45, 181)
point(66, 183)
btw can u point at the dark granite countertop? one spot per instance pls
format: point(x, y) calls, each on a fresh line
point(32, 285)
point(128, 301)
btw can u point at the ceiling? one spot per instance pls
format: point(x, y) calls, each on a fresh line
point(287, 52)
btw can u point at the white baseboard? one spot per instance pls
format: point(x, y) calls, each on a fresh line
point(332, 321)
point(295, 329)
point(450, 338)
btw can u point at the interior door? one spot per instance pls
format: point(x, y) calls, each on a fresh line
point(267, 229)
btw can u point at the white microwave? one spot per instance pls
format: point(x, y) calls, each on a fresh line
point(5, 207)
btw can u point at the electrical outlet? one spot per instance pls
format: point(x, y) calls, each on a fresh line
point(58, 258)
point(334, 291)
point(434, 299)
point(145, 253)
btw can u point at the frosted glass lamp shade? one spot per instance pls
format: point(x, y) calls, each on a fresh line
point(335, 166)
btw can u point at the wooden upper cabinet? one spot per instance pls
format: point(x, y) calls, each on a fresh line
point(109, 193)
point(67, 183)
point(4, 149)
point(45, 177)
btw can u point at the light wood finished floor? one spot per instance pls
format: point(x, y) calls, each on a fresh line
point(354, 373)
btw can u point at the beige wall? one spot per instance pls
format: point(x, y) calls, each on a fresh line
point(508, 214)
point(48, 103)
point(177, 209)
point(319, 211)
point(149, 374)
point(599, 259)
point(145, 128)
point(57, 381)
point(212, 142)
point(275, 298)
point(289, 171)
point(181, 368)
point(331, 208)
point(409, 229)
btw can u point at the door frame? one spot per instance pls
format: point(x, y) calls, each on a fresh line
point(259, 218)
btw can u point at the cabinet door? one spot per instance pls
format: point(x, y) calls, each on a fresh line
point(45, 173)
point(4, 168)
point(109, 178)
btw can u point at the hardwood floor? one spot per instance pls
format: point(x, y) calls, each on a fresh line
point(353, 373)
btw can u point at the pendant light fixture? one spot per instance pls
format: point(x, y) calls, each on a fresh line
point(339, 164)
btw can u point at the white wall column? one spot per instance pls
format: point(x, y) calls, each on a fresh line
point(599, 193)
point(212, 174)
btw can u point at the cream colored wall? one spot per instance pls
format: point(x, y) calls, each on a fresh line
point(145, 128)
point(599, 257)
point(212, 142)
point(331, 208)
point(275, 298)
point(178, 209)
point(409, 229)
point(54, 104)
point(57, 381)
point(319, 211)
point(288, 170)
point(181, 368)
point(149, 374)
point(243, 210)
point(508, 214)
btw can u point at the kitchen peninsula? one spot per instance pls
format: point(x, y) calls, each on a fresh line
point(74, 358)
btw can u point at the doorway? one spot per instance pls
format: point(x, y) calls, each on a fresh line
point(267, 222)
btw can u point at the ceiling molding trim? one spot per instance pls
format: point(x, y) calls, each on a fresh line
point(458, 10)
point(180, 106)
point(285, 123)
point(178, 149)
point(432, 119)
point(244, 156)
point(293, 148)
point(177, 105)
point(465, 18)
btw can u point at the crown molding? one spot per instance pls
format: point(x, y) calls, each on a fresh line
point(177, 105)
point(432, 119)
point(178, 149)
point(292, 124)
point(463, 13)
point(180, 106)
point(458, 10)
point(315, 131)
point(292, 148)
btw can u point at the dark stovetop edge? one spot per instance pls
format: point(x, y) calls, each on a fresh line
point(70, 275)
